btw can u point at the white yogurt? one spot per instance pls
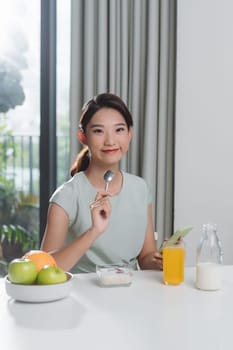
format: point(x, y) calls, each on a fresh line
point(115, 280)
point(208, 276)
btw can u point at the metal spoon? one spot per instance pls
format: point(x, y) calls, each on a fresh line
point(108, 176)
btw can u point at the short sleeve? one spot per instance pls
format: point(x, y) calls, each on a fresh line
point(64, 197)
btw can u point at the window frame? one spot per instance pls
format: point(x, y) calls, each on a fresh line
point(48, 139)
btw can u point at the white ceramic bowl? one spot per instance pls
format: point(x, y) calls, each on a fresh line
point(39, 293)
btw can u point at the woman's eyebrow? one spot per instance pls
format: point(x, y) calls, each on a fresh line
point(120, 124)
point(97, 126)
point(102, 126)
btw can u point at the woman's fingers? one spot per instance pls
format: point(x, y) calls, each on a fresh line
point(100, 212)
point(95, 204)
point(101, 207)
point(158, 259)
point(99, 202)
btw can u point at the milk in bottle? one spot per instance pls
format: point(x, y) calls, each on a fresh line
point(209, 259)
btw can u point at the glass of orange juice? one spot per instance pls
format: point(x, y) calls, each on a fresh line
point(173, 263)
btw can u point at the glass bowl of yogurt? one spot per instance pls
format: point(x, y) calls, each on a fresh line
point(114, 275)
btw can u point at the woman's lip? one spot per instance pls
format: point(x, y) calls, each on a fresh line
point(110, 150)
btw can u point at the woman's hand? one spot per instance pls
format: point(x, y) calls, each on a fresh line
point(100, 212)
point(157, 259)
point(151, 261)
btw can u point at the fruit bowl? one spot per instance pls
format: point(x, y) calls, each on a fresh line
point(39, 293)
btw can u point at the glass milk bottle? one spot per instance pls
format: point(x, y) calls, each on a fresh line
point(209, 259)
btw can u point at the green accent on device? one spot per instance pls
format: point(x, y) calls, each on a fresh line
point(179, 233)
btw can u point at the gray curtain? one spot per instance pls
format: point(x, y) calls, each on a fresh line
point(128, 47)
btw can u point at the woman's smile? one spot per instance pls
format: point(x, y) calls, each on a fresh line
point(110, 151)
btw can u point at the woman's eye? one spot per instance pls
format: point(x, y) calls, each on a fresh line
point(97, 131)
point(121, 129)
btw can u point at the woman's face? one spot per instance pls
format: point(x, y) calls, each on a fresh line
point(107, 136)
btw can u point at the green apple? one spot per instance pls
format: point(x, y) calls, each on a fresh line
point(22, 271)
point(51, 275)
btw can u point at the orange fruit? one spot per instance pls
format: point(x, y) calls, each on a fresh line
point(40, 258)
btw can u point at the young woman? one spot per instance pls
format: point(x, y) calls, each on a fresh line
point(88, 225)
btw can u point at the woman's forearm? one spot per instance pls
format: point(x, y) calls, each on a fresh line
point(70, 254)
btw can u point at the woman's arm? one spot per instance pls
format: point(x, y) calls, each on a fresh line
point(56, 230)
point(149, 257)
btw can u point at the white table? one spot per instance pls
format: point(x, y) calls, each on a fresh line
point(147, 315)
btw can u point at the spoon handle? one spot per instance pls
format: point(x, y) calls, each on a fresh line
point(106, 186)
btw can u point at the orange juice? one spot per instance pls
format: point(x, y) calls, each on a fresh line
point(173, 264)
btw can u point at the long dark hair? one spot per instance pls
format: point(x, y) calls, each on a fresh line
point(104, 100)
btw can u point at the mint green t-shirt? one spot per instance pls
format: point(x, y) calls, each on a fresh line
point(124, 237)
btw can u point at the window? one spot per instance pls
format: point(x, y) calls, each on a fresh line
point(19, 127)
point(21, 119)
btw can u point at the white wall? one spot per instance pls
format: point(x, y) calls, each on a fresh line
point(204, 121)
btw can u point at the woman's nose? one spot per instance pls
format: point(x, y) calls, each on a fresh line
point(109, 139)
